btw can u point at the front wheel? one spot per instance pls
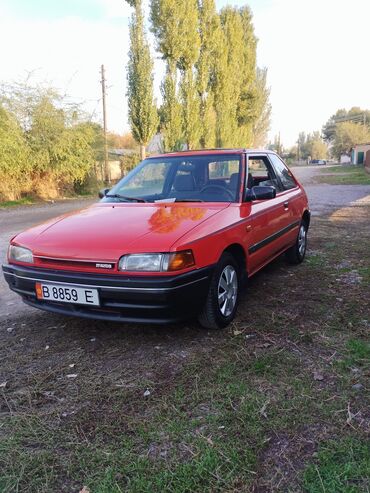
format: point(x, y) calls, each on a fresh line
point(221, 304)
point(297, 252)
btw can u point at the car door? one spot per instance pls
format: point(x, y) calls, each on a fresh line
point(290, 196)
point(268, 217)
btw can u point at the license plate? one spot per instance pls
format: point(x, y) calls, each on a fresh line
point(67, 294)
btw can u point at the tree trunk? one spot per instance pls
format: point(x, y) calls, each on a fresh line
point(142, 152)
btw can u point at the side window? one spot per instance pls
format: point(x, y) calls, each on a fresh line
point(283, 172)
point(261, 173)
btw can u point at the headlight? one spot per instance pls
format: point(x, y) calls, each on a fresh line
point(20, 254)
point(156, 262)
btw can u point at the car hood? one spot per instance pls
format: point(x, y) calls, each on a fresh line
point(107, 231)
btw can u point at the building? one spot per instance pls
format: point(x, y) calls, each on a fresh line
point(361, 154)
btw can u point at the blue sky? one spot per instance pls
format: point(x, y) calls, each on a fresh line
point(86, 9)
point(54, 9)
point(316, 53)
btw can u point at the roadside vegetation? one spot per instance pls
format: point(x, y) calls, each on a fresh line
point(344, 175)
point(278, 402)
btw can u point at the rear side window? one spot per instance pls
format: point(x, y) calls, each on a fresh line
point(282, 172)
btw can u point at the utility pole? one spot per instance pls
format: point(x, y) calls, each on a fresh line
point(298, 151)
point(106, 164)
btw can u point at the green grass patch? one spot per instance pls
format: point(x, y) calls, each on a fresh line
point(345, 175)
point(341, 467)
point(356, 355)
point(13, 203)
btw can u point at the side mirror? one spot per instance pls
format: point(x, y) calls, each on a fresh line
point(103, 193)
point(260, 193)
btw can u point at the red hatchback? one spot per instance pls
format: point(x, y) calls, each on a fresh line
point(176, 238)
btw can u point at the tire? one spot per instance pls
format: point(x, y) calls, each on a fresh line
point(226, 279)
point(297, 253)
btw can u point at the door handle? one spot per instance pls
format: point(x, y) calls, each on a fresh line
point(286, 205)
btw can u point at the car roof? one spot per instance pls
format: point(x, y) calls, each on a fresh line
point(201, 152)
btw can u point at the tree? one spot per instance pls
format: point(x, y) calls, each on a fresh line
point(210, 30)
point(143, 114)
point(316, 147)
point(311, 146)
point(248, 107)
point(237, 97)
point(124, 141)
point(227, 80)
point(221, 97)
point(14, 157)
point(347, 135)
point(168, 32)
point(262, 122)
point(354, 115)
point(171, 112)
point(59, 144)
point(176, 27)
point(189, 55)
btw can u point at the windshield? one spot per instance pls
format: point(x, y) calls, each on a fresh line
point(206, 178)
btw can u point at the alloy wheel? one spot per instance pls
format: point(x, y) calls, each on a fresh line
point(227, 290)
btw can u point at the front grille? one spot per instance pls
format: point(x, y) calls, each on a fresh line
point(80, 264)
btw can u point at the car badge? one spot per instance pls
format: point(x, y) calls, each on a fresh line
point(104, 266)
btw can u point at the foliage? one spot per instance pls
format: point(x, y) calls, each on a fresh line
point(143, 114)
point(188, 58)
point(311, 146)
point(128, 162)
point(46, 146)
point(167, 17)
point(124, 141)
point(213, 92)
point(261, 124)
point(14, 157)
point(171, 113)
point(209, 28)
point(347, 135)
point(354, 115)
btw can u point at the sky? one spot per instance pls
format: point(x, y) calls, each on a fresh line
point(316, 53)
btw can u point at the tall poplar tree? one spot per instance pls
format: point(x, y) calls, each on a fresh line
point(143, 115)
point(210, 31)
point(176, 27)
point(261, 124)
point(189, 55)
point(248, 107)
point(166, 26)
point(228, 77)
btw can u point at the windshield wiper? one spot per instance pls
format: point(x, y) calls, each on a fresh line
point(124, 197)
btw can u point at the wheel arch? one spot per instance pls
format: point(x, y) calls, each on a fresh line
point(306, 217)
point(238, 252)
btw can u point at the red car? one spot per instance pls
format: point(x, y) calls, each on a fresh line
point(176, 238)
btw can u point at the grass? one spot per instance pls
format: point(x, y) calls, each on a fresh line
point(345, 175)
point(340, 467)
point(267, 405)
point(13, 203)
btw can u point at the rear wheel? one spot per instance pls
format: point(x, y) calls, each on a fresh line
point(221, 304)
point(297, 252)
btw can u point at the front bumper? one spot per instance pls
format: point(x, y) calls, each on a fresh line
point(149, 299)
